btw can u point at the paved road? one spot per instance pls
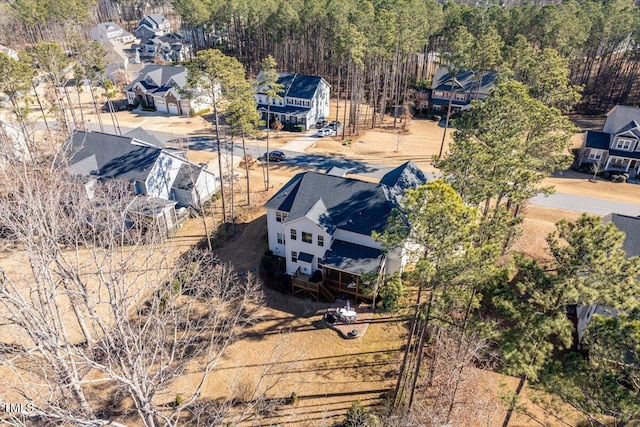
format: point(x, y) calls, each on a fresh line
point(592, 205)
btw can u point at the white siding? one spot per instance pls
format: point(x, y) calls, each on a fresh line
point(206, 184)
point(306, 225)
point(273, 228)
point(162, 175)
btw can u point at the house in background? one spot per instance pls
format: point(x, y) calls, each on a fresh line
point(304, 100)
point(322, 225)
point(630, 226)
point(163, 87)
point(9, 52)
point(169, 48)
point(146, 168)
point(617, 146)
point(460, 89)
point(154, 25)
point(110, 31)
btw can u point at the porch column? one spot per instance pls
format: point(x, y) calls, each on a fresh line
point(628, 164)
point(606, 166)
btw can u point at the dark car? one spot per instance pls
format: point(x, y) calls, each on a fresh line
point(276, 156)
point(321, 123)
point(335, 125)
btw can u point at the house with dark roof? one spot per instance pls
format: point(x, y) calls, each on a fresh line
point(163, 87)
point(145, 167)
point(154, 25)
point(459, 90)
point(304, 100)
point(110, 31)
point(322, 224)
point(169, 47)
point(617, 146)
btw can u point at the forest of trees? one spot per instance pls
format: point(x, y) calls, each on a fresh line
point(372, 51)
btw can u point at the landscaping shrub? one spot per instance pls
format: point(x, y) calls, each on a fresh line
point(392, 292)
point(359, 416)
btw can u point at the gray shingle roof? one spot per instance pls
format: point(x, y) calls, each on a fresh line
point(630, 225)
point(353, 258)
point(187, 175)
point(109, 156)
point(161, 76)
point(619, 116)
point(599, 140)
point(346, 203)
point(142, 135)
point(467, 79)
point(295, 85)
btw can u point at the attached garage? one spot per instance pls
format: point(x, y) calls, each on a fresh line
point(173, 109)
point(161, 105)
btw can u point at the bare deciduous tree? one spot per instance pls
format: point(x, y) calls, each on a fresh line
point(95, 307)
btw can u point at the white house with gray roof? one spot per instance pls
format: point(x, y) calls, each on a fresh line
point(110, 31)
point(322, 224)
point(617, 146)
point(154, 25)
point(148, 169)
point(304, 100)
point(163, 87)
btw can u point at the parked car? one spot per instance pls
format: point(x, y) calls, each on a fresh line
point(325, 132)
point(335, 125)
point(275, 156)
point(321, 123)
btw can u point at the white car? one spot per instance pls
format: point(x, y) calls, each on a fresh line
point(325, 132)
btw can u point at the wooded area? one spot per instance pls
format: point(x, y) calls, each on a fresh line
point(374, 51)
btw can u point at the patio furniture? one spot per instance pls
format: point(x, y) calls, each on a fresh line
point(346, 316)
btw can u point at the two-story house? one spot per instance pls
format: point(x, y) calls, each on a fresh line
point(154, 25)
point(322, 224)
point(459, 90)
point(110, 31)
point(304, 100)
point(147, 168)
point(617, 146)
point(163, 87)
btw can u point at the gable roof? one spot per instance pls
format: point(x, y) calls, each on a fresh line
point(630, 226)
point(295, 85)
point(187, 176)
point(349, 204)
point(144, 136)
point(161, 76)
point(109, 26)
point(619, 117)
point(467, 81)
point(109, 156)
point(155, 19)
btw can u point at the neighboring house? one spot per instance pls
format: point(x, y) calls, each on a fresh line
point(13, 143)
point(110, 31)
point(617, 146)
point(322, 225)
point(460, 90)
point(630, 226)
point(148, 169)
point(169, 48)
point(304, 100)
point(163, 87)
point(153, 25)
point(9, 52)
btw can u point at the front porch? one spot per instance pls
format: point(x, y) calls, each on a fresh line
point(623, 164)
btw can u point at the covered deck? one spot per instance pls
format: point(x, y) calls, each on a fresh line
point(344, 266)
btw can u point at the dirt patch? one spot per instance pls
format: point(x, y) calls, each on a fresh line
point(573, 182)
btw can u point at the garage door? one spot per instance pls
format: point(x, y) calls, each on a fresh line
point(173, 109)
point(161, 106)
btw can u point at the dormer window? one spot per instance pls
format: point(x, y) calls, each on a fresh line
point(623, 144)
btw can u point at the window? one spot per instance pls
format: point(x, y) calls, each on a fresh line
point(438, 94)
point(281, 216)
point(280, 239)
point(320, 240)
point(294, 256)
point(623, 144)
point(307, 237)
point(461, 97)
point(294, 234)
point(595, 155)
